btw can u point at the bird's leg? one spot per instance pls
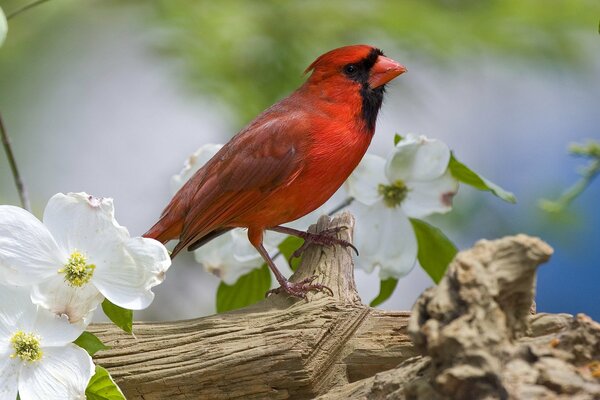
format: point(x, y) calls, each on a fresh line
point(298, 289)
point(325, 238)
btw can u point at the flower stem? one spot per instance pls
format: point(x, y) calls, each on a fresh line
point(591, 171)
point(574, 191)
point(25, 8)
point(13, 166)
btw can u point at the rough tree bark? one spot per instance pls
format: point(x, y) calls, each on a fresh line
point(473, 338)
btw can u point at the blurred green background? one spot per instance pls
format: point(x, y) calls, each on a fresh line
point(110, 97)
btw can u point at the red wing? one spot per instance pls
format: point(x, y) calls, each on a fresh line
point(244, 172)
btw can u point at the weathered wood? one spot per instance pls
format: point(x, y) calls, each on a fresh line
point(478, 341)
point(281, 347)
point(474, 338)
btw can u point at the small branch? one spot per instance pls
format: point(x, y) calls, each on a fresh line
point(589, 150)
point(574, 191)
point(13, 166)
point(25, 8)
point(341, 206)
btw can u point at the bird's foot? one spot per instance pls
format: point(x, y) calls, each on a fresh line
point(326, 237)
point(300, 289)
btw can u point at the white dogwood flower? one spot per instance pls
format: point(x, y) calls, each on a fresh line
point(229, 256)
point(79, 256)
point(413, 182)
point(37, 356)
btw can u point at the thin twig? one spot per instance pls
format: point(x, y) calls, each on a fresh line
point(592, 170)
point(25, 8)
point(13, 166)
point(574, 191)
point(342, 205)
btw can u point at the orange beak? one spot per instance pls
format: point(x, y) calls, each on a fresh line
point(384, 70)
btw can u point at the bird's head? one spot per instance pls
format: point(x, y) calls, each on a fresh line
point(354, 73)
point(361, 64)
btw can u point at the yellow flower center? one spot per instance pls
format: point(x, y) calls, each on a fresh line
point(27, 346)
point(77, 271)
point(394, 194)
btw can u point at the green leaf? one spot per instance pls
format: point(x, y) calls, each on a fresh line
point(386, 289)
point(90, 343)
point(102, 387)
point(397, 139)
point(121, 317)
point(435, 249)
point(248, 289)
point(466, 175)
point(288, 247)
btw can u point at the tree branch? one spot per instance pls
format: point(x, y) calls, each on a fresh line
point(473, 337)
point(278, 348)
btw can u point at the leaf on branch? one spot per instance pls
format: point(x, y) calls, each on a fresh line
point(466, 175)
point(90, 343)
point(247, 290)
point(288, 247)
point(435, 249)
point(121, 317)
point(386, 288)
point(103, 387)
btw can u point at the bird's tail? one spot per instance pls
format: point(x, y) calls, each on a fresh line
point(164, 230)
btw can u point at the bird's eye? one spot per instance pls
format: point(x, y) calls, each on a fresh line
point(350, 69)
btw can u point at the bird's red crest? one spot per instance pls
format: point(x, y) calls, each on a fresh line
point(342, 56)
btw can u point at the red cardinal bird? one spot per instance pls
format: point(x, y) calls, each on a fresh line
point(288, 161)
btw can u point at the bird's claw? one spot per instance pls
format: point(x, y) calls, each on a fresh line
point(325, 238)
point(301, 288)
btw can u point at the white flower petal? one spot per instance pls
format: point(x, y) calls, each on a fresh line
point(126, 275)
point(16, 311)
point(385, 238)
point(227, 257)
point(60, 298)
point(84, 223)
point(419, 159)
point(363, 183)
point(9, 375)
point(28, 253)
point(62, 374)
point(55, 330)
point(193, 164)
point(428, 197)
point(243, 251)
